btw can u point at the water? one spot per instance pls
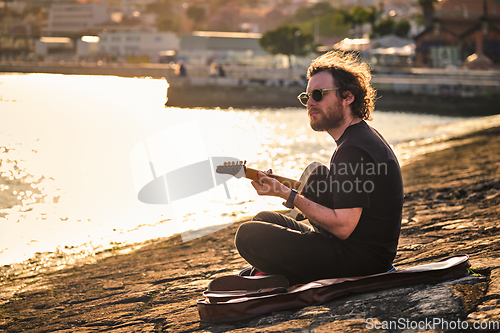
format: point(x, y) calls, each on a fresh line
point(73, 160)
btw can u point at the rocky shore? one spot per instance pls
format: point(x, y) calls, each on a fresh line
point(452, 206)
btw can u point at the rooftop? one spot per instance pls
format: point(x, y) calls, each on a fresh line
point(226, 34)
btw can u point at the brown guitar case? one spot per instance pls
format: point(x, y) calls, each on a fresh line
point(222, 306)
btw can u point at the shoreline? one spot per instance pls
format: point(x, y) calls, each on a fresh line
point(452, 204)
point(463, 93)
point(411, 151)
point(408, 153)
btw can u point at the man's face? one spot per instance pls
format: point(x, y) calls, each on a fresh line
point(327, 113)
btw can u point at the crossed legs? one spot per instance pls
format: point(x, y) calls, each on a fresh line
point(277, 244)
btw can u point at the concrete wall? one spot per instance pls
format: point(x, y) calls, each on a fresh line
point(226, 93)
point(189, 95)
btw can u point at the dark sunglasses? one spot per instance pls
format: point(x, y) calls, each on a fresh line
point(316, 94)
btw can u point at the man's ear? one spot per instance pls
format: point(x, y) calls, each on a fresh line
point(348, 98)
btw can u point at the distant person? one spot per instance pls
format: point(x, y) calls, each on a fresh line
point(213, 70)
point(355, 218)
point(222, 73)
point(181, 69)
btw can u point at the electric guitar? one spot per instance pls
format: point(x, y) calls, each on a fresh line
point(313, 173)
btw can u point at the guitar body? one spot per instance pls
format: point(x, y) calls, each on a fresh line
point(310, 187)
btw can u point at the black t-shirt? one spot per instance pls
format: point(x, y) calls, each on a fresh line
point(364, 172)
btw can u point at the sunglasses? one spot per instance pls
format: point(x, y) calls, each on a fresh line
point(316, 94)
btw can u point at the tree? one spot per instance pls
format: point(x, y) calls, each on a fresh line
point(402, 28)
point(374, 15)
point(165, 19)
point(321, 19)
point(196, 13)
point(428, 11)
point(330, 25)
point(359, 15)
point(384, 27)
point(309, 13)
point(286, 39)
point(167, 23)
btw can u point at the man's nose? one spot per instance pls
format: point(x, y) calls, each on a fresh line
point(311, 101)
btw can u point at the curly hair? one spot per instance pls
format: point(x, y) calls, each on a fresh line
point(349, 74)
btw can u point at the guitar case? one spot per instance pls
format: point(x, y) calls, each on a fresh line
point(224, 306)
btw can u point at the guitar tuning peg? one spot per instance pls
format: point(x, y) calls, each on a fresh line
point(225, 163)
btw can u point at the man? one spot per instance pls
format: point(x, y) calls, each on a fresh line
point(356, 221)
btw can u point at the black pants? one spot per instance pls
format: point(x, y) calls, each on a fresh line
point(277, 244)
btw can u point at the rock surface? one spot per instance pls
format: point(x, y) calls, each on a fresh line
point(452, 206)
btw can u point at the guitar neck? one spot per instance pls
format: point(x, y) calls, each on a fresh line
point(288, 182)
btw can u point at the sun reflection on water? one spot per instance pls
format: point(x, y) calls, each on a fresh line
point(66, 182)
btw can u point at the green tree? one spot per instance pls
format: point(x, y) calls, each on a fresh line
point(374, 15)
point(165, 20)
point(196, 13)
point(331, 25)
point(385, 27)
point(167, 23)
point(402, 28)
point(309, 13)
point(359, 15)
point(286, 39)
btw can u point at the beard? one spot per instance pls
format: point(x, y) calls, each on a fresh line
point(332, 118)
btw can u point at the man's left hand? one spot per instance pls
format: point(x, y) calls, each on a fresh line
point(270, 186)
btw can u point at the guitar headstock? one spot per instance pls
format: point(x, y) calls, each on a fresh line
point(237, 169)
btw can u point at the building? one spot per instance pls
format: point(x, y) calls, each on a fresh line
point(18, 35)
point(75, 20)
point(203, 47)
point(387, 51)
point(138, 46)
point(462, 31)
point(467, 8)
point(55, 48)
point(87, 48)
